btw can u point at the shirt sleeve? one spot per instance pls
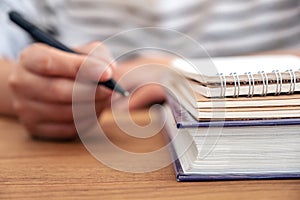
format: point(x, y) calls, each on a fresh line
point(12, 38)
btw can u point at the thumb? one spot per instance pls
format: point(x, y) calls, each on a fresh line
point(147, 96)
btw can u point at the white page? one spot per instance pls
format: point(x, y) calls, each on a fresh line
point(239, 65)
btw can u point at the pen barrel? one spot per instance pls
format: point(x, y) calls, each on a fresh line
point(20, 21)
point(36, 33)
point(41, 36)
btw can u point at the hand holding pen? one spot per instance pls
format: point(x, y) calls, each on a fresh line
point(41, 36)
point(43, 81)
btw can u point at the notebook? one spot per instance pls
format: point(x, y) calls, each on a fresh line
point(255, 108)
point(205, 108)
point(184, 119)
point(243, 75)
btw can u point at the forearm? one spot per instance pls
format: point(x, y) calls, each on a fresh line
point(6, 107)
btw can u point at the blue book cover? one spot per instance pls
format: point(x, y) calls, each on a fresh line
point(182, 177)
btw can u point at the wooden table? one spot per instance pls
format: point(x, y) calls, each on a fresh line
point(31, 169)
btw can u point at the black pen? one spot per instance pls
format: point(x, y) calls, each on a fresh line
point(43, 37)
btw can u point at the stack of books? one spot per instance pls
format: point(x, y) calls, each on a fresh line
point(240, 119)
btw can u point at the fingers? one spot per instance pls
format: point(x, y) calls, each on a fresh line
point(44, 83)
point(54, 131)
point(146, 96)
point(39, 112)
point(52, 89)
point(141, 98)
point(47, 61)
point(55, 121)
point(58, 131)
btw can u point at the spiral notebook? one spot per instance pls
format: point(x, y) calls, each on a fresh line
point(242, 108)
point(242, 76)
point(184, 119)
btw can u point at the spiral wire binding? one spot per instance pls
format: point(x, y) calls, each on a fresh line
point(237, 84)
point(223, 84)
point(293, 81)
point(265, 82)
point(251, 84)
point(278, 82)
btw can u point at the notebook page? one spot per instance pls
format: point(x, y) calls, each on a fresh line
point(203, 69)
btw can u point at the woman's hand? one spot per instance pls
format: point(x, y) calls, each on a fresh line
point(143, 78)
point(42, 84)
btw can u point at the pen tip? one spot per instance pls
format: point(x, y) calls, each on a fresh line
point(126, 94)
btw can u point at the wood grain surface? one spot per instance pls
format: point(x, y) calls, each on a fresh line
point(31, 169)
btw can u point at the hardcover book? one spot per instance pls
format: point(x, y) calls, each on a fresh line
point(253, 151)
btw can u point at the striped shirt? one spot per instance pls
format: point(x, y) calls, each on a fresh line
point(222, 28)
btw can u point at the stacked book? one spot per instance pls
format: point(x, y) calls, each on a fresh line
point(235, 118)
